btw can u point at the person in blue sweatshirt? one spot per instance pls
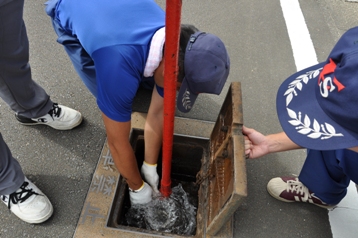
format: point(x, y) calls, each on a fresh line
point(115, 46)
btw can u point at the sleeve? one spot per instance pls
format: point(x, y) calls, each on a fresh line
point(160, 90)
point(119, 71)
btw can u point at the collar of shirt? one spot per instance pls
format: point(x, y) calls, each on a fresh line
point(155, 52)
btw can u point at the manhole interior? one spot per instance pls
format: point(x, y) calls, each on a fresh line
point(189, 153)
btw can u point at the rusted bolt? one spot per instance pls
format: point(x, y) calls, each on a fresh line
point(224, 128)
point(225, 154)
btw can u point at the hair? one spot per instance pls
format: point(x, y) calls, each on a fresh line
point(186, 31)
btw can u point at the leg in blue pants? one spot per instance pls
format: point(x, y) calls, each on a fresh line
point(328, 173)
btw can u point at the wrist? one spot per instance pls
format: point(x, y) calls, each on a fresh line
point(280, 142)
point(273, 145)
point(137, 190)
point(149, 164)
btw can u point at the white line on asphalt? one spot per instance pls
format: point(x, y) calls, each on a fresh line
point(302, 46)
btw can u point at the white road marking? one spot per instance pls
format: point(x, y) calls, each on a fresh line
point(301, 43)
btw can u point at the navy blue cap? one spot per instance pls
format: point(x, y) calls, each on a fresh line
point(318, 107)
point(206, 68)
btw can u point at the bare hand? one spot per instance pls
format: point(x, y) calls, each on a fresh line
point(255, 143)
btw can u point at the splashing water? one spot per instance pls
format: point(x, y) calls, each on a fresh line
point(174, 214)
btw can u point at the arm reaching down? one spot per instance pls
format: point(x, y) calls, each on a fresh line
point(153, 134)
point(125, 161)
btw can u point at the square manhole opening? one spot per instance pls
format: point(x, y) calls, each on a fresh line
point(189, 153)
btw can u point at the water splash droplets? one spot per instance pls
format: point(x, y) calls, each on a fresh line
point(174, 214)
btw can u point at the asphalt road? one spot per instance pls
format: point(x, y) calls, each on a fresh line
point(62, 163)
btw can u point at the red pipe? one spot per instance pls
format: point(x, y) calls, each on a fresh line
point(172, 29)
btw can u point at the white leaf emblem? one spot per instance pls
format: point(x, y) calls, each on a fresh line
point(186, 100)
point(314, 135)
point(304, 131)
point(291, 113)
point(299, 86)
point(294, 123)
point(316, 125)
point(322, 131)
point(290, 90)
point(315, 73)
point(289, 99)
point(330, 128)
point(307, 121)
point(304, 127)
point(305, 80)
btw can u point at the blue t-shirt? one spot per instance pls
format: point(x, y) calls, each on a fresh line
point(116, 35)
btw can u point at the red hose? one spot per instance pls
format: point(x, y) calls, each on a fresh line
point(172, 29)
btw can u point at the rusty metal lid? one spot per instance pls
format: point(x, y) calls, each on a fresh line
point(227, 183)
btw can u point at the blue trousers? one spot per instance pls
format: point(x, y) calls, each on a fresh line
point(328, 173)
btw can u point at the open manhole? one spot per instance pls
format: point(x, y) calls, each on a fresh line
point(188, 154)
point(212, 172)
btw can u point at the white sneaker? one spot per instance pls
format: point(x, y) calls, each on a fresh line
point(59, 117)
point(291, 189)
point(29, 203)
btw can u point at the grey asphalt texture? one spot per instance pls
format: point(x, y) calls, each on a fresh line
point(62, 163)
